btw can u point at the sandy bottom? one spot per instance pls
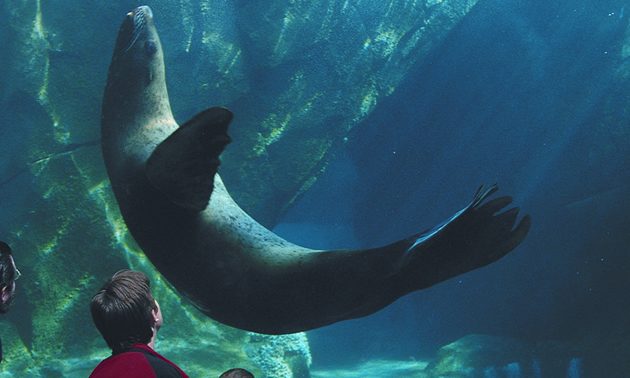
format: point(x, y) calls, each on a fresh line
point(376, 369)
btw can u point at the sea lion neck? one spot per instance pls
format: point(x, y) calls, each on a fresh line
point(136, 82)
point(136, 113)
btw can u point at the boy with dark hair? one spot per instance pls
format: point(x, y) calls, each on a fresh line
point(128, 318)
point(237, 373)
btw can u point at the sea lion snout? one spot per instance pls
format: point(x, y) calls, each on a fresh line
point(145, 10)
point(136, 27)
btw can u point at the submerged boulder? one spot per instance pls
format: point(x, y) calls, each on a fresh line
point(483, 356)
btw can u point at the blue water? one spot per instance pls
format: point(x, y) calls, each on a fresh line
point(515, 95)
point(524, 93)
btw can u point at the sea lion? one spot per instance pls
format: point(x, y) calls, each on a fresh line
point(234, 270)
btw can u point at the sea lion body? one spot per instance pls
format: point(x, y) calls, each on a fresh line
point(228, 265)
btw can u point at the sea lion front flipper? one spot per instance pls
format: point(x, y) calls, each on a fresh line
point(183, 166)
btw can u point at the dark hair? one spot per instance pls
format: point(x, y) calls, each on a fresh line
point(121, 310)
point(7, 276)
point(7, 269)
point(237, 373)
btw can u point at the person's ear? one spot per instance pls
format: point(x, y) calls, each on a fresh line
point(154, 312)
point(4, 294)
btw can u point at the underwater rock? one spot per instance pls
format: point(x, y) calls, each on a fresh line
point(494, 356)
point(15, 352)
point(298, 74)
point(319, 68)
point(377, 368)
point(483, 356)
point(283, 356)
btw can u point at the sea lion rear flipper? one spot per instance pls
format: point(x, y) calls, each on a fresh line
point(184, 165)
point(472, 238)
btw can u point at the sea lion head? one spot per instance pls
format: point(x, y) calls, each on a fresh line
point(138, 50)
point(136, 72)
point(136, 109)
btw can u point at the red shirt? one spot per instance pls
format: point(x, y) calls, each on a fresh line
point(137, 364)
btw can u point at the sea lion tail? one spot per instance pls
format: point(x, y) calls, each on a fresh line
point(472, 238)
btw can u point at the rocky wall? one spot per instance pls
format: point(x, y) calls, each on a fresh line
point(298, 74)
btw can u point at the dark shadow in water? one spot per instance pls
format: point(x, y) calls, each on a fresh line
point(520, 94)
